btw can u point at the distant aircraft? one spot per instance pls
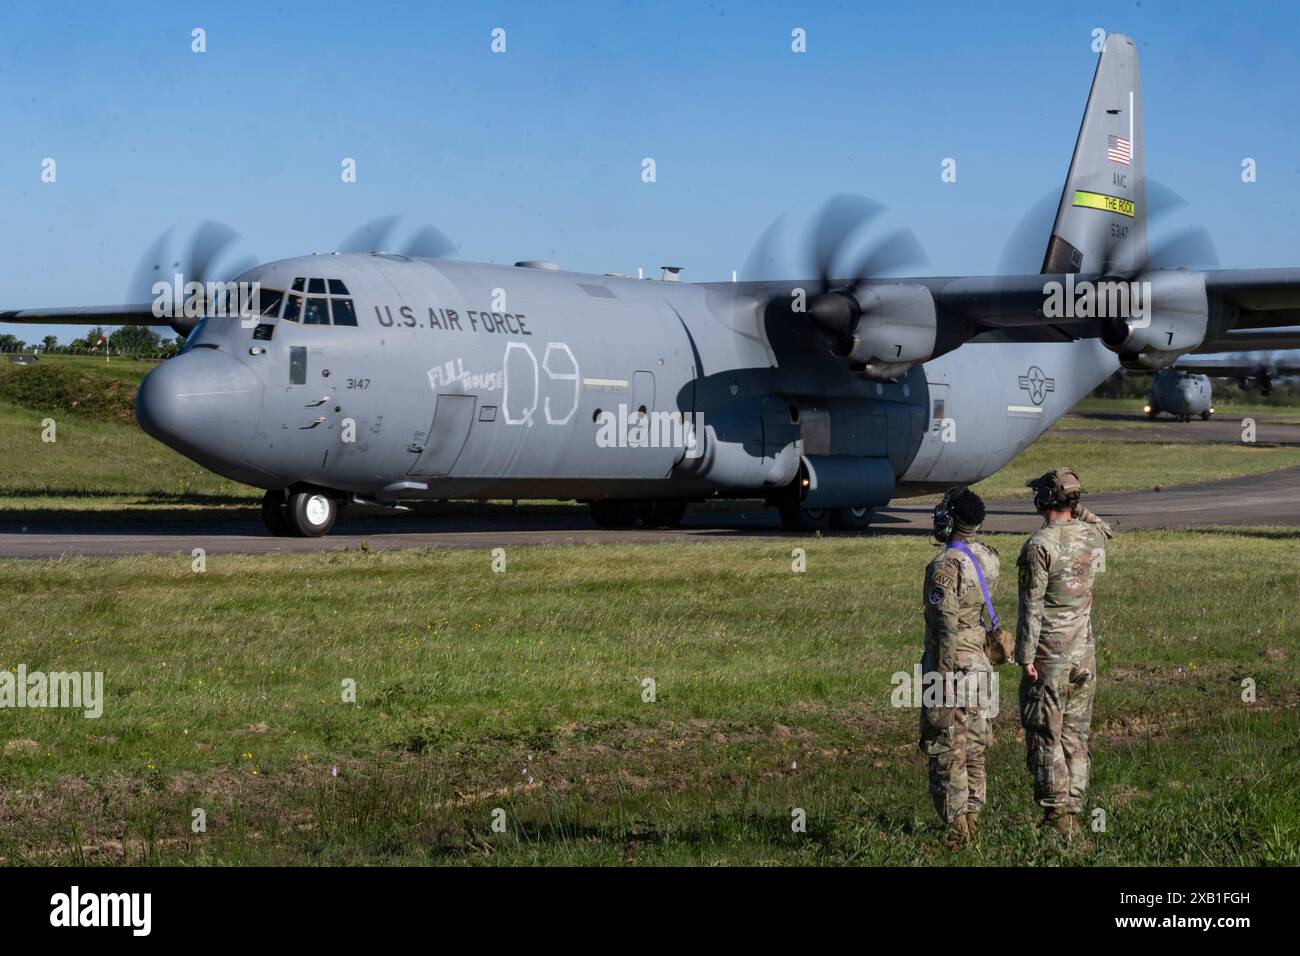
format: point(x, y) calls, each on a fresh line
point(1185, 390)
point(382, 377)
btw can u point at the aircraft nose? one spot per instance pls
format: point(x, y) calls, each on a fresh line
point(204, 403)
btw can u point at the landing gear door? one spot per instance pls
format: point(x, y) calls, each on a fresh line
point(939, 430)
point(453, 416)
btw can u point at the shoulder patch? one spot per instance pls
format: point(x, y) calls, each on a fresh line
point(936, 596)
point(945, 577)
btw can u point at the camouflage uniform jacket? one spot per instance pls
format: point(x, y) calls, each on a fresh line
point(1056, 569)
point(954, 609)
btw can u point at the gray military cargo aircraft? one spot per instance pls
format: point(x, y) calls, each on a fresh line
point(380, 377)
point(1181, 394)
point(1185, 390)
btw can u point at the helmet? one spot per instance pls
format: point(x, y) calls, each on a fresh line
point(1058, 488)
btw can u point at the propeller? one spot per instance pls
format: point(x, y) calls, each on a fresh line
point(1167, 248)
point(381, 235)
point(842, 265)
point(203, 255)
point(1189, 246)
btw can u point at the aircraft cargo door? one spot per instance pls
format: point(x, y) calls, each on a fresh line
point(453, 416)
point(932, 443)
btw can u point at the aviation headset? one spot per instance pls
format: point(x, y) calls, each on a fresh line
point(1056, 489)
point(944, 519)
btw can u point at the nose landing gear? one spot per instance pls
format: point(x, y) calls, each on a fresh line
point(305, 513)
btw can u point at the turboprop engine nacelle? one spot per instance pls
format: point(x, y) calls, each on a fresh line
point(1167, 316)
point(895, 331)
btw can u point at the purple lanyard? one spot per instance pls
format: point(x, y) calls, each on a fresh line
point(979, 573)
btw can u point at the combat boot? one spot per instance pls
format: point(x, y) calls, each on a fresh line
point(958, 833)
point(1063, 823)
point(971, 822)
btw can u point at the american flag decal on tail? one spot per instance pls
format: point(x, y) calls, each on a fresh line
point(1119, 150)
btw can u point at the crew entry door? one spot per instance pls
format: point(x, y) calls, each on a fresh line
point(932, 444)
point(441, 445)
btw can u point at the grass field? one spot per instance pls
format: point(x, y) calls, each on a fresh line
point(1277, 410)
point(1121, 464)
point(523, 691)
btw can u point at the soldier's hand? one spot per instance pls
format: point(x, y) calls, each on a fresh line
point(1031, 672)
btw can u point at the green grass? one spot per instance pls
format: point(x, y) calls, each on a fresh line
point(523, 690)
point(94, 467)
point(1279, 410)
point(1117, 464)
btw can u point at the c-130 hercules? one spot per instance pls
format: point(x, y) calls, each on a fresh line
point(379, 377)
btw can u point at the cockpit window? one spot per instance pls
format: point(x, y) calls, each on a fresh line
point(270, 301)
point(317, 312)
point(343, 312)
point(315, 308)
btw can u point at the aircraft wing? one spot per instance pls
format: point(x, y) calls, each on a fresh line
point(1266, 303)
point(86, 315)
point(1238, 366)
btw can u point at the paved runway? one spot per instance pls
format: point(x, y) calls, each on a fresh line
point(1271, 499)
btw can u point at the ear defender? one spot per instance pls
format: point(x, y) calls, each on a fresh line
point(1056, 489)
point(1044, 491)
point(943, 518)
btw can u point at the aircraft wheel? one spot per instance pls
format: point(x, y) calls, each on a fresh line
point(852, 519)
point(1187, 418)
point(273, 515)
point(614, 513)
point(661, 512)
point(1205, 415)
point(310, 513)
point(794, 518)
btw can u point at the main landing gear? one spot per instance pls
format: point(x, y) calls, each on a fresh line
point(626, 513)
point(795, 518)
point(308, 513)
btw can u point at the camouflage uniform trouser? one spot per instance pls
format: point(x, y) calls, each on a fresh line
point(954, 740)
point(1056, 711)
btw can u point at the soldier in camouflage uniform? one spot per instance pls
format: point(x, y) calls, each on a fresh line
point(1055, 645)
point(954, 738)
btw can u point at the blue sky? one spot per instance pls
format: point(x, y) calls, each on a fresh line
point(537, 153)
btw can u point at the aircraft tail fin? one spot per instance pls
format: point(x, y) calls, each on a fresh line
point(1101, 222)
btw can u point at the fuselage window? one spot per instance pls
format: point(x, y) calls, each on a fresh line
point(293, 308)
point(298, 285)
point(337, 287)
point(343, 312)
point(317, 312)
point(316, 286)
